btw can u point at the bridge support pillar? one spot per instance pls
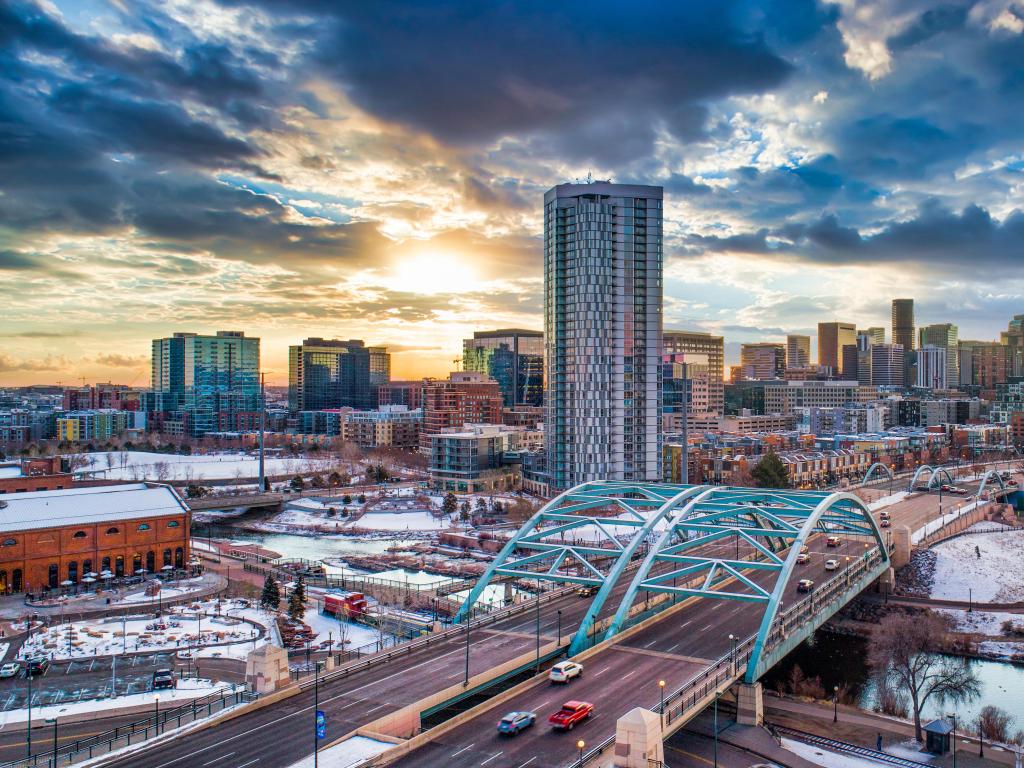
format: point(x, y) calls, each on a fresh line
point(749, 704)
point(901, 546)
point(638, 739)
point(509, 595)
point(887, 581)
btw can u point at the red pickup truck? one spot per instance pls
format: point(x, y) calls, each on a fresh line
point(571, 713)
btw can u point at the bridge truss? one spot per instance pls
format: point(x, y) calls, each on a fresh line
point(935, 472)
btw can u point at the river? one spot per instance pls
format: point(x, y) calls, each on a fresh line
point(842, 660)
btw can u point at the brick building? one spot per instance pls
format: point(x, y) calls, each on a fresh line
point(48, 537)
point(466, 397)
point(24, 475)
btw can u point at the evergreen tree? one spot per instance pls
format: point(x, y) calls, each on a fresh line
point(271, 597)
point(346, 499)
point(464, 510)
point(297, 483)
point(296, 608)
point(361, 498)
point(770, 472)
point(481, 505)
point(450, 504)
point(300, 589)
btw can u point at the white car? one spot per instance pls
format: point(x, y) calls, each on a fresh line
point(10, 670)
point(564, 671)
point(831, 565)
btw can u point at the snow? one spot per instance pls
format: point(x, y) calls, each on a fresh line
point(143, 465)
point(356, 635)
point(418, 520)
point(1001, 650)
point(85, 506)
point(166, 593)
point(4, 647)
point(825, 758)
point(887, 501)
point(994, 577)
point(981, 622)
point(186, 690)
point(347, 754)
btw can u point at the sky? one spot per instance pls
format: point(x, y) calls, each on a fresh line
point(376, 170)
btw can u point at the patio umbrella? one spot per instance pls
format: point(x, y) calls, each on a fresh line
point(107, 575)
point(88, 580)
point(167, 568)
point(91, 575)
point(67, 583)
point(139, 571)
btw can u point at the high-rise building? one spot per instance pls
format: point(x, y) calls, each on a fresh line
point(887, 365)
point(764, 360)
point(903, 323)
point(943, 335)
point(700, 349)
point(984, 364)
point(832, 337)
point(329, 373)
point(206, 381)
point(465, 397)
point(602, 332)
point(512, 357)
point(875, 334)
point(798, 351)
point(850, 361)
point(932, 369)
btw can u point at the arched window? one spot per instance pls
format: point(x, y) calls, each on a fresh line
point(79, 535)
point(167, 557)
point(105, 564)
point(3, 582)
point(136, 562)
point(151, 561)
point(73, 571)
point(112, 531)
point(179, 557)
point(143, 526)
point(10, 542)
point(86, 566)
point(119, 566)
point(174, 524)
point(17, 582)
point(54, 576)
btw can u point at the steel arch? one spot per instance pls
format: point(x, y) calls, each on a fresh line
point(643, 507)
point(985, 478)
point(826, 505)
point(931, 479)
point(871, 470)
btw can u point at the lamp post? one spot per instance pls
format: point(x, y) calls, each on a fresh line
point(716, 729)
point(661, 690)
point(580, 745)
point(835, 704)
point(732, 654)
point(559, 626)
point(465, 682)
point(953, 737)
point(537, 613)
point(156, 713)
point(28, 730)
point(54, 721)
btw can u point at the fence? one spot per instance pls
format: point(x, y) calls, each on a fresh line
point(133, 733)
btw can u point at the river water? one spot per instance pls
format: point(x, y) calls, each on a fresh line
point(842, 660)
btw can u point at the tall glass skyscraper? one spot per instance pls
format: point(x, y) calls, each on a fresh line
point(512, 357)
point(603, 332)
point(328, 373)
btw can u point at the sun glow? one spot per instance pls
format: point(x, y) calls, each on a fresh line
point(434, 272)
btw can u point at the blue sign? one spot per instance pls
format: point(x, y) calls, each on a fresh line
point(321, 724)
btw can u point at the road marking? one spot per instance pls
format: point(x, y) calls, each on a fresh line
point(600, 671)
point(462, 750)
point(243, 765)
point(628, 674)
point(218, 759)
point(686, 624)
point(651, 643)
point(672, 648)
point(706, 628)
point(716, 606)
point(485, 762)
point(379, 706)
point(544, 703)
point(523, 765)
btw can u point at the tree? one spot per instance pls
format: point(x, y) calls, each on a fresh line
point(361, 498)
point(770, 472)
point(994, 723)
point(334, 479)
point(464, 510)
point(296, 483)
point(296, 608)
point(271, 597)
point(196, 491)
point(903, 654)
point(346, 499)
point(450, 504)
point(481, 504)
point(300, 589)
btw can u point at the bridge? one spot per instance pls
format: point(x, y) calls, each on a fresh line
point(696, 586)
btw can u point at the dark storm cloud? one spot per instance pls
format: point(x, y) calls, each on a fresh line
point(934, 21)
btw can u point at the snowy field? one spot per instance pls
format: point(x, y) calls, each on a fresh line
point(347, 754)
point(142, 465)
point(994, 577)
point(419, 520)
point(353, 635)
point(981, 622)
point(828, 759)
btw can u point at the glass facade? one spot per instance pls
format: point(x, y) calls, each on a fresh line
point(603, 332)
point(512, 357)
point(328, 373)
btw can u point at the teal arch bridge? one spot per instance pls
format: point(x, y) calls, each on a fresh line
point(664, 543)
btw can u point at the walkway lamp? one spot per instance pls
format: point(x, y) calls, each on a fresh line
point(661, 690)
point(580, 745)
point(28, 728)
point(54, 721)
point(733, 639)
point(835, 704)
point(156, 713)
point(559, 626)
point(952, 716)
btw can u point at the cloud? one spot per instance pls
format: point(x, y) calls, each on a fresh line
point(122, 361)
point(9, 364)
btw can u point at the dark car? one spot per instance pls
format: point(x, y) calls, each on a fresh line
point(163, 678)
point(36, 666)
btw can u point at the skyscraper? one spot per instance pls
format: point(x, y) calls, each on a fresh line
point(798, 351)
point(602, 332)
point(204, 382)
point(512, 357)
point(903, 323)
point(932, 368)
point(704, 356)
point(329, 373)
point(944, 336)
point(763, 361)
point(875, 334)
point(832, 337)
point(887, 365)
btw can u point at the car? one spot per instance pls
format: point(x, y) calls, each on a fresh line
point(571, 713)
point(958, 491)
point(922, 488)
point(1011, 483)
point(803, 558)
point(514, 722)
point(804, 549)
point(832, 565)
point(805, 585)
point(163, 678)
point(945, 488)
point(37, 666)
point(884, 514)
point(833, 541)
point(564, 671)
point(185, 655)
point(885, 522)
point(10, 670)
point(586, 591)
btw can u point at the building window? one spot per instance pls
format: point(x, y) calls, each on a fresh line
point(17, 581)
point(54, 576)
point(73, 571)
point(167, 557)
point(179, 557)
point(119, 566)
point(151, 561)
point(46, 539)
point(143, 526)
point(105, 564)
point(112, 531)
point(10, 542)
point(174, 524)
point(86, 566)
point(79, 535)
point(136, 563)
point(3, 582)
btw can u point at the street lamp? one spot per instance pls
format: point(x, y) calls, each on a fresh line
point(952, 716)
point(156, 713)
point(733, 639)
point(465, 682)
point(559, 626)
point(54, 721)
point(28, 729)
point(835, 704)
point(580, 745)
point(717, 694)
point(661, 690)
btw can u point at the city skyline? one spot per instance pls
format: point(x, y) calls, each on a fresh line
point(297, 172)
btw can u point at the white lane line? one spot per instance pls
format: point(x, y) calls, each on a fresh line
point(600, 672)
point(523, 765)
point(463, 749)
point(218, 759)
point(686, 624)
point(485, 762)
point(716, 606)
point(628, 674)
point(651, 643)
point(243, 765)
point(543, 703)
point(672, 648)
point(379, 706)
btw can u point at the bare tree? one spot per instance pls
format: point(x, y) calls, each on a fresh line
point(162, 471)
point(994, 723)
point(903, 654)
point(109, 458)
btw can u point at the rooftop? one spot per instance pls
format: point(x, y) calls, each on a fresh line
point(86, 506)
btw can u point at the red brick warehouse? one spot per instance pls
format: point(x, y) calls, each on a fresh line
point(48, 537)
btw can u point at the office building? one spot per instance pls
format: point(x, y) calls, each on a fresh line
point(903, 324)
point(983, 364)
point(763, 361)
point(512, 357)
point(602, 332)
point(788, 397)
point(850, 361)
point(932, 369)
point(943, 336)
point(329, 373)
point(872, 335)
point(205, 383)
point(832, 337)
point(407, 393)
point(887, 365)
point(798, 351)
point(700, 349)
point(473, 460)
point(465, 397)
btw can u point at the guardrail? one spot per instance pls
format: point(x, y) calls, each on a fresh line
point(135, 732)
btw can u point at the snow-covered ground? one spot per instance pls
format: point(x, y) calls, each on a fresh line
point(994, 576)
point(143, 465)
point(981, 622)
point(166, 593)
point(418, 520)
point(186, 690)
point(1001, 650)
point(354, 635)
point(4, 647)
point(348, 753)
point(825, 758)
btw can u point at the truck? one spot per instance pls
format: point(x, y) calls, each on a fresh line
point(571, 713)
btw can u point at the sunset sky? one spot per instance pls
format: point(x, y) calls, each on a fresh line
point(375, 170)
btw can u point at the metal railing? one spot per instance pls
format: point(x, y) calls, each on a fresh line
point(846, 748)
point(135, 732)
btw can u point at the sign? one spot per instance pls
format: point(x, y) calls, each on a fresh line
point(321, 724)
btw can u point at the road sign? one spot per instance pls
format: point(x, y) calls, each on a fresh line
point(321, 724)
